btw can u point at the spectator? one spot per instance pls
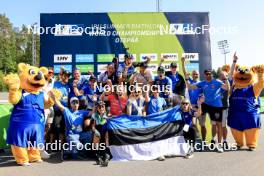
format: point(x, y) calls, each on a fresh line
point(164, 84)
point(117, 100)
point(58, 125)
point(155, 104)
point(143, 77)
point(99, 120)
point(62, 69)
point(90, 92)
point(194, 96)
point(178, 83)
point(74, 120)
point(225, 97)
point(213, 103)
point(136, 103)
point(81, 82)
point(126, 69)
point(189, 130)
point(108, 75)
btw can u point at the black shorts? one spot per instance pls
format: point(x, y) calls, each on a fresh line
point(58, 125)
point(215, 113)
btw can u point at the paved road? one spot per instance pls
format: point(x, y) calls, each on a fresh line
point(204, 163)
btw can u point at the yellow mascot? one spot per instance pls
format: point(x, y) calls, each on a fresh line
point(26, 127)
point(244, 112)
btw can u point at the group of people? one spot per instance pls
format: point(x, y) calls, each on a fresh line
point(87, 102)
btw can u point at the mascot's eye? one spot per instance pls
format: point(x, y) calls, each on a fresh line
point(247, 70)
point(31, 72)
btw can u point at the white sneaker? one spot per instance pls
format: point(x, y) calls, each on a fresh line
point(25, 164)
point(161, 158)
point(219, 148)
point(44, 154)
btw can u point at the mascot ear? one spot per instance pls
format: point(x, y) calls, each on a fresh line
point(22, 67)
point(44, 70)
point(253, 69)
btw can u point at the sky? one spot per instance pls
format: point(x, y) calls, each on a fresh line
point(246, 18)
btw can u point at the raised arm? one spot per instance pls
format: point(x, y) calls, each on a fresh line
point(161, 61)
point(56, 101)
point(259, 85)
point(230, 74)
point(77, 92)
point(183, 68)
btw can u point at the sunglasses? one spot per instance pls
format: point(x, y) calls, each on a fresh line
point(101, 107)
point(185, 103)
point(75, 102)
point(208, 74)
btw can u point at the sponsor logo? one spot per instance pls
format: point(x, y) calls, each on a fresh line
point(191, 56)
point(62, 58)
point(192, 66)
point(152, 56)
point(85, 68)
point(69, 29)
point(101, 68)
point(84, 58)
point(170, 56)
point(121, 57)
point(105, 57)
point(57, 68)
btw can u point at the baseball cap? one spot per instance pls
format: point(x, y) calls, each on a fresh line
point(66, 72)
point(161, 69)
point(100, 103)
point(92, 78)
point(74, 99)
point(128, 56)
point(143, 64)
point(173, 64)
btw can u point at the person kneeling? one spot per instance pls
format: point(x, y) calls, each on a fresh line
point(75, 136)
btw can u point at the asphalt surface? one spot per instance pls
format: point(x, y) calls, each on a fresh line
point(203, 163)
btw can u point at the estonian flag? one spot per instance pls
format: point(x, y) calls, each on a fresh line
point(147, 138)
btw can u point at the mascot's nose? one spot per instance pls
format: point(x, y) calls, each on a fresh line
point(38, 77)
point(242, 72)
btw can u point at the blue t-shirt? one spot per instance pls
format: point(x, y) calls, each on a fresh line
point(74, 120)
point(187, 117)
point(164, 84)
point(89, 93)
point(212, 92)
point(83, 81)
point(156, 105)
point(65, 91)
point(121, 69)
point(194, 94)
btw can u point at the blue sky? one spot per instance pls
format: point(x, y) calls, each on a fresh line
point(245, 16)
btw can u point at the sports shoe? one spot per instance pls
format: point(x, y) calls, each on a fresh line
point(252, 149)
point(225, 145)
point(25, 164)
point(105, 161)
point(212, 144)
point(189, 154)
point(44, 154)
point(161, 158)
point(219, 148)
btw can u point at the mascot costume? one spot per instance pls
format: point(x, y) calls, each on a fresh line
point(244, 112)
point(26, 126)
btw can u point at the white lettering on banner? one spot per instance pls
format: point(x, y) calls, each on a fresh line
point(170, 56)
point(191, 56)
point(62, 58)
